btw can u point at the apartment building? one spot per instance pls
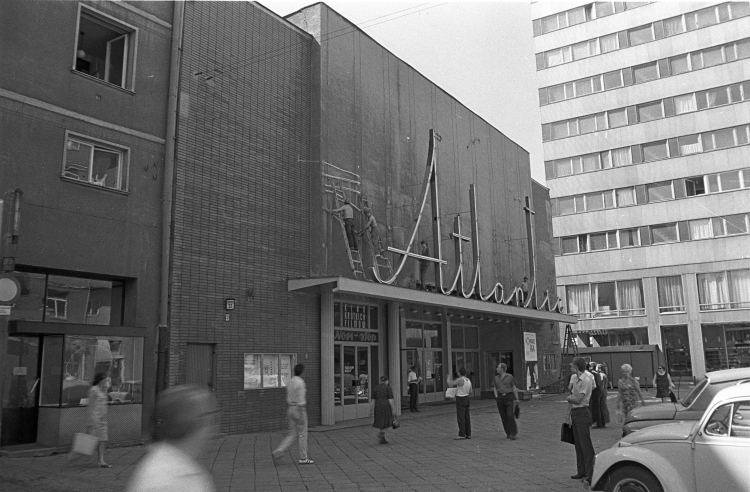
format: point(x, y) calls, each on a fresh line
point(644, 110)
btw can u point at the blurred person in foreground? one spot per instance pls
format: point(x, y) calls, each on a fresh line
point(185, 419)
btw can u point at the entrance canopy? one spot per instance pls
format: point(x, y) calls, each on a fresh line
point(449, 304)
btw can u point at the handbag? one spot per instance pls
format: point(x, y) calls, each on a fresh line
point(672, 397)
point(396, 424)
point(517, 411)
point(84, 443)
point(451, 392)
point(566, 433)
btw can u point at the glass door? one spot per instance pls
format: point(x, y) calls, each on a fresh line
point(469, 360)
point(20, 398)
point(352, 381)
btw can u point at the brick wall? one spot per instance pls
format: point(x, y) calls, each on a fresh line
point(241, 209)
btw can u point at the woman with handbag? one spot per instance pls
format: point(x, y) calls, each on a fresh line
point(663, 383)
point(97, 424)
point(383, 407)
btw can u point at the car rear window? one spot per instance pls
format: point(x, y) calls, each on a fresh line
point(693, 395)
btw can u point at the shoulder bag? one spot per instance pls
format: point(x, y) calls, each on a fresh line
point(566, 433)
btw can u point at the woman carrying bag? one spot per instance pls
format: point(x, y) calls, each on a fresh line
point(383, 408)
point(663, 383)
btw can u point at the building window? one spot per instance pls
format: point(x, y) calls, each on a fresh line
point(612, 338)
point(609, 43)
point(613, 80)
point(550, 362)
point(658, 192)
point(664, 233)
point(629, 238)
point(598, 241)
point(625, 196)
point(646, 72)
point(95, 162)
point(700, 229)
point(578, 299)
point(724, 290)
point(617, 118)
point(729, 225)
point(268, 370)
point(621, 298)
point(685, 104)
point(695, 186)
point(655, 151)
point(671, 299)
point(701, 18)
point(673, 26)
point(621, 157)
point(726, 346)
point(56, 306)
point(105, 48)
point(650, 111)
point(679, 64)
point(640, 35)
point(689, 144)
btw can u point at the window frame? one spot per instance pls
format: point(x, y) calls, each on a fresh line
point(104, 145)
point(115, 24)
point(672, 226)
point(247, 386)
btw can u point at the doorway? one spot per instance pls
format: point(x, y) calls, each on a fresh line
point(429, 366)
point(201, 365)
point(355, 371)
point(21, 399)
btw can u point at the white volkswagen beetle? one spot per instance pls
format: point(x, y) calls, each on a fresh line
point(708, 455)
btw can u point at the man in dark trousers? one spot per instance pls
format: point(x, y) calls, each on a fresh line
point(506, 395)
point(580, 418)
point(413, 382)
point(463, 401)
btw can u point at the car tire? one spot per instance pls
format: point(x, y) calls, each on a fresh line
point(632, 479)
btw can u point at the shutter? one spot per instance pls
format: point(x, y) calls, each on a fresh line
point(664, 70)
point(640, 194)
point(543, 101)
point(540, 61)
point(635, 151)
point(682, 226)
point(627, 76)
point(632, 115)
point(645, 236)
point(669, 111)
point(658, 30)
point(549, 169)
point(679, 188)
point(556, 246)
point(546, 133)
point(673, 149)
point(622, 37)
point(537, 25)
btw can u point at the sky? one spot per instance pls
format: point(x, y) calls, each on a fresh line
point(482, 53)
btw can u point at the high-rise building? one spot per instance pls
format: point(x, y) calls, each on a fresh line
point(644, 109)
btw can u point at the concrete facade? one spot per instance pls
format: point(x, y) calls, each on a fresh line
point(652, 100)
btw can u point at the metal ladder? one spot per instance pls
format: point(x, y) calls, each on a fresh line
point(379, 253)
point(569, 346)
point(355, 260)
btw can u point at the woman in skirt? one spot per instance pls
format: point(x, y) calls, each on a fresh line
point(383, 407)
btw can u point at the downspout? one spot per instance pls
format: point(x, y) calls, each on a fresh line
point(178, 17)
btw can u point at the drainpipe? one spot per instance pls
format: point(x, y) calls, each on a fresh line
point(162, 367)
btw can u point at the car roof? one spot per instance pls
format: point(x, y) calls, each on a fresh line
point(737, 391)
point(728, 375)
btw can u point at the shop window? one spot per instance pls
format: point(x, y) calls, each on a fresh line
point(95, 162)
point(81, 358)
point(676, 345)
point(671, 299)
point(105, 48)
point(414, 336)
point(613, 338)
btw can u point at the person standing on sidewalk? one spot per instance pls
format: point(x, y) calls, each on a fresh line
point(383, 407)
point(580, 418)
point(506, 395)
point(186, 416)
point(463, 402)
point(296, 394)
point(413, 382)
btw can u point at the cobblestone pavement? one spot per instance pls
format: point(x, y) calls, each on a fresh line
point(422, 456)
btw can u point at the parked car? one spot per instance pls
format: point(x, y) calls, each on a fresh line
point(686, 456)
point(691, 407)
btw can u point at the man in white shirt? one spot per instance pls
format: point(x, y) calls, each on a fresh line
point(296, 393)
point(348, 215)
point(413, 382)
point(463, 401)
point(580, 418)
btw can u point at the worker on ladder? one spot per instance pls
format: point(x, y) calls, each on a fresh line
point(371, 227)
point(348, 212)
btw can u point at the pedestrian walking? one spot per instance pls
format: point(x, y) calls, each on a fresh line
point(605, 371)
point(596, 396)
point(603, 408)
point(383, 408)
point(629, 391)
point(97, 423)
point(506, 396)
point(580, 418)
point(296, 398)
point(347, 212)
point(186, 418)
point(463, 402)
point(663, 383)
point(413, 382)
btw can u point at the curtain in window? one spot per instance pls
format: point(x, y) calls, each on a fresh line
point(712, 291)
point(711, 98)
point(700, 229)
point(579, 299)
point(689, 144)
point(739, 288)
point(670, 294)
point(608, 43)
point(685, 104)
point(630, 297)
point(673, 26)
point(625, 197)
point(621, 157)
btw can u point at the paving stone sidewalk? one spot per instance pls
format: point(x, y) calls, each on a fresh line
point(422, 456)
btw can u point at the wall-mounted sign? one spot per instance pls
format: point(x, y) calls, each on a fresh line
point(19, 371)
point(10, 288)
point(4, 310)
point(355, 336)
point(229, 304)
point(529, 346)
point(354, 316)
point(9, 263)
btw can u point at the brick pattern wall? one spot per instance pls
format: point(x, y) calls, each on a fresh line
point(241, 209)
